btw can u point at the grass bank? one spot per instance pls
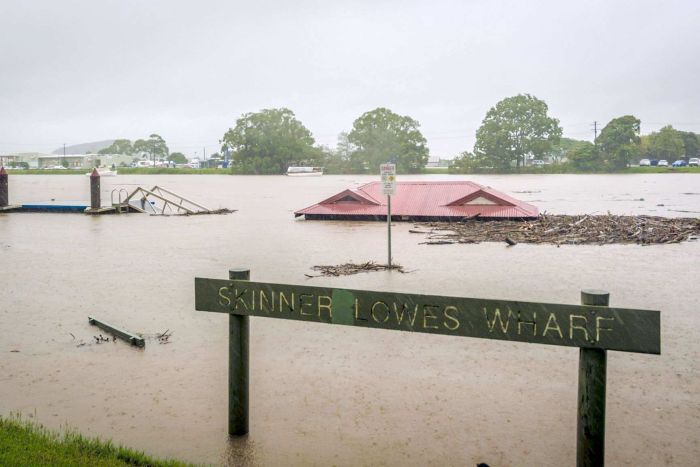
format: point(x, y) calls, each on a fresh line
point(26, 443)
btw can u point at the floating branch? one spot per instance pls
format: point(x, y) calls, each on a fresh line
point(349, 269)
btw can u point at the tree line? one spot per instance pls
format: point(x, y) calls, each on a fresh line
point(269, 141)
point(516, 131)
point(154, 148)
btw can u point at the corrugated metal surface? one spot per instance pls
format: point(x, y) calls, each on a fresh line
point(424, 199)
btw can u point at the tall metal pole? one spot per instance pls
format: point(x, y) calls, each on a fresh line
point(388, 224)
point(238, 366)
point(592, 372)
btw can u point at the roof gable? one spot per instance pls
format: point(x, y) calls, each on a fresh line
point(350, 196)
point(480, 198)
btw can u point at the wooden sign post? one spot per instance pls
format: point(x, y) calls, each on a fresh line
point(593, 327)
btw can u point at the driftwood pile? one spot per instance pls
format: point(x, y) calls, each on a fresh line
point(565, 230)
point(349, 269)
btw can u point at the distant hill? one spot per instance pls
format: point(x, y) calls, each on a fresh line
point(85, 147)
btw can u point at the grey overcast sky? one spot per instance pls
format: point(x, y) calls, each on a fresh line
point(86, 70)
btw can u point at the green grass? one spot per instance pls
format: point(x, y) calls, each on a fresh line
point(170, 171)
point(28, 444)
point(661, 170)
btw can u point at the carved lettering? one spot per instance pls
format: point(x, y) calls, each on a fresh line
point(552, 319)
point(266, 306)
point(357, 311)
point(289, 304)
point(497, 317)
point(324, 306)
point(306, 302)
point(599, 328)
point(223, 297)
point(385, 312)
point(405, 309)
point(428, 314)
point(572, 326)
point(239, 299)
point(454, 322)
point(532, 323)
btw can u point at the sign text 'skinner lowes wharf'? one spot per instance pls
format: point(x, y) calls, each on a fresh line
point(553, 324)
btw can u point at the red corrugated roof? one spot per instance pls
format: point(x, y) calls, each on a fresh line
point(422, 200)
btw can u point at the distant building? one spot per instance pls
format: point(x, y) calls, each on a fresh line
point(438, 162)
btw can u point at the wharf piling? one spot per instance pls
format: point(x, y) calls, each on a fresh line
point(95, 201)
point(4, 201)
point(5, 191)
point(95, 198)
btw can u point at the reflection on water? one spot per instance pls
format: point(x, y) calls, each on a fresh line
point(321, 394)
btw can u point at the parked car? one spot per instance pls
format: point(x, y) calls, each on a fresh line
point(538, 163)
point(679, 163)
point(644, 163)
point(694, 162)
point(653, 162)
point(663, 163)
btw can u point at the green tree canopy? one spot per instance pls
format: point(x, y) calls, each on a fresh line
point(516, 127)
point(584, 156)
point(667, 144)
point(380, 136)
point(119, 146)
point(178, 157)
point(154, 147)
point(691, 143)
point(619, 141)
point(269, 141)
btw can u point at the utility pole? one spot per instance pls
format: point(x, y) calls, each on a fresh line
point(595, 132)
point(63, 163)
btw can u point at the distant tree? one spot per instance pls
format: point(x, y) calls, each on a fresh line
point(177, 157)
point(619, 141)
point(119, 146)
point(466, 162)
point(516, 127)
point(380, 136)
point(269, 141)
point(585, 157)
point(561, 150)
point(667, 144)
point(691, 143)
point(153, 148)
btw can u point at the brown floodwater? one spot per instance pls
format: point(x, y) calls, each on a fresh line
point(336, 395)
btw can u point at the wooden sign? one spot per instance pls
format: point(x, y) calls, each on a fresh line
point(584, 326)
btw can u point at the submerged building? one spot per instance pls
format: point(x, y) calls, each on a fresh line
point(421, 201)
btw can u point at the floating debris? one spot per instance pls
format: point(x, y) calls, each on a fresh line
point(163, 338)
point(349, 269)
point(565, 230)
point(100, 339)
point(200, 213)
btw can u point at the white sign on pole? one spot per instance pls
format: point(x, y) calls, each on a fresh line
point(388, 173)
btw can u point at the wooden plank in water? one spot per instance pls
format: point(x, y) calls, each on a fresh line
point(133, 339)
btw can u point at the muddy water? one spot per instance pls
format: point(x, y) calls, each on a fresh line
point(324, 395)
